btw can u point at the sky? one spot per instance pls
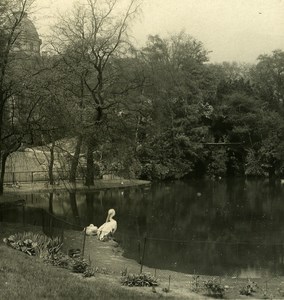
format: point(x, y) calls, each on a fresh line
point(233, 30)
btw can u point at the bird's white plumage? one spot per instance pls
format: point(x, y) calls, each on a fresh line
point(109, 227)
point(91, 229)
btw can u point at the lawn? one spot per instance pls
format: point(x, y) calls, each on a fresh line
point(26, 277)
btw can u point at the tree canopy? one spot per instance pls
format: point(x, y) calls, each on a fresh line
point(161, 111)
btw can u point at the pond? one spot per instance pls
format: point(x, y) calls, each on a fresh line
point(225, 227)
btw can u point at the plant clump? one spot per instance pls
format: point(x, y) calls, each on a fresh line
point(74, 264)
point(89, 272)
point(34, 244)
point(142, 279)
point(79, 265)
point(195, 284)
point(60, 260)
point(249, 288)
point(214, 288)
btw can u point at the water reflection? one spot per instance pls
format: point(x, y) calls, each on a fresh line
point(74, 208)
point(50, 207)
point(232, 227)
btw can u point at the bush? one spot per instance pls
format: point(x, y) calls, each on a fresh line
point(214, 288)
point(79, 266)
point(249, 289)
point(139, 280)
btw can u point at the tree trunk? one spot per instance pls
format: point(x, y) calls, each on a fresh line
point(90, 164)
point(3, 159)
point(75, 160)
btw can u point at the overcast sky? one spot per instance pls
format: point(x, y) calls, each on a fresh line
point(234, 30)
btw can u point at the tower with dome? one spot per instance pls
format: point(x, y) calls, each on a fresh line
point(27, 41)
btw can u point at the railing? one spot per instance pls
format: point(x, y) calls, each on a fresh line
point(43, 176)
point(32, 176)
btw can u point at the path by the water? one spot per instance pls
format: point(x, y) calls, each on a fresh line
point(107, 257)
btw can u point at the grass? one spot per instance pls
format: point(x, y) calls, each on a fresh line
point(25, 277)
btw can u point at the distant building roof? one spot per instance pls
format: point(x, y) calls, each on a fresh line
point(28, 39)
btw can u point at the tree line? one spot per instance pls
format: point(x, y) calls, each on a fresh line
point(161, 111)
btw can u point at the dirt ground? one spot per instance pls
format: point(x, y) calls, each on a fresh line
point(107, 257)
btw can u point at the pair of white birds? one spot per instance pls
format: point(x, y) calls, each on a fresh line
point(106, 230)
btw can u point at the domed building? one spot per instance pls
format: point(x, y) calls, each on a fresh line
point(28, 40)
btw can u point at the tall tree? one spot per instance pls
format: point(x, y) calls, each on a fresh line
point(180, 87)
point(89, 40)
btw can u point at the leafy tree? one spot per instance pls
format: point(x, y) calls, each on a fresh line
point(180, 86)
point(268, 79)
point(259, 132)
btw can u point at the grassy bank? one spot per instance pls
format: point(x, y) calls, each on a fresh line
point(28, 277)
point(24, 277)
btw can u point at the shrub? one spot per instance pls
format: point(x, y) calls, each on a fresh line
point(139, 280)
point(214, 288)
point(195, 284)
point(249, 289)
point(79, 266)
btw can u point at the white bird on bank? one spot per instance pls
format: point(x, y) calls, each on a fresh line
point(109, 227)
point(91, 229)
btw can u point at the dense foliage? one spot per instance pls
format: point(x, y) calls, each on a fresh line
point(159, 112)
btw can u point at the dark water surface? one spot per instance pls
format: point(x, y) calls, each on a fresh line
point(226, 227)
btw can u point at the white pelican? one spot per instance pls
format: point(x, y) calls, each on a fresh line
point(109, 227)
point(91, 229)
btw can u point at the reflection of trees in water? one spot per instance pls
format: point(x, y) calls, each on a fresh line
point(50, 203)
point(90, 207)
point(224, 215)
point(74, 208)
